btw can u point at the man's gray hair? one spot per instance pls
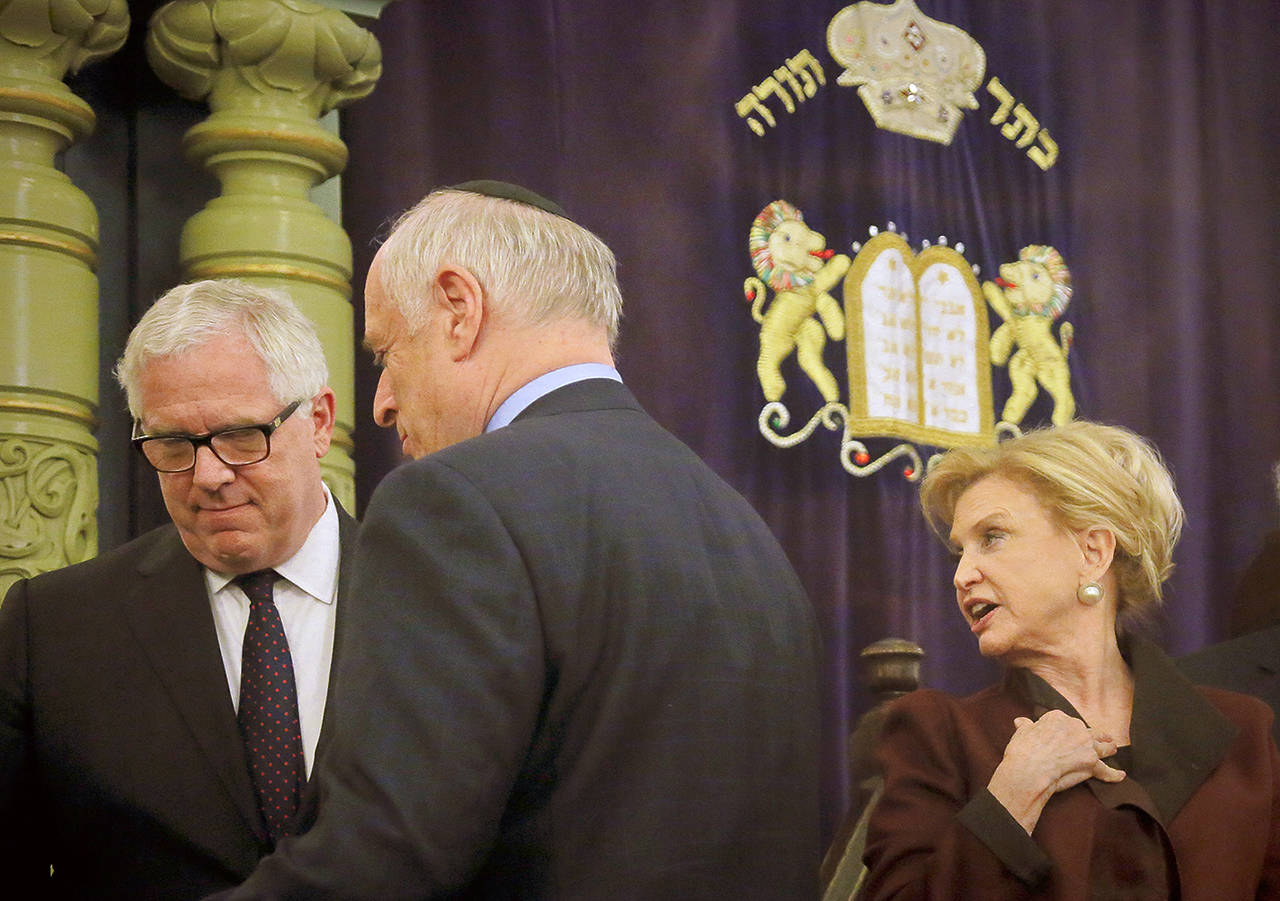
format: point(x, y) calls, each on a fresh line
point(533, 264)
point(193, 314)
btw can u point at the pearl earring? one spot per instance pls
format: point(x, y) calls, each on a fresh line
point(1089, 593)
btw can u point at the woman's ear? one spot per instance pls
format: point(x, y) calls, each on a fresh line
point(1098, 548)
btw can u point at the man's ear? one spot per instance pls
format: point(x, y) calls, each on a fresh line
point(323, 416)
point(461, 303)
point(1098, 545)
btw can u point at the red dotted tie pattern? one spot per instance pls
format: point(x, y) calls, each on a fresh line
point(268, 713)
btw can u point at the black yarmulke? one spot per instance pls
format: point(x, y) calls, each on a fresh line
point(507, 191)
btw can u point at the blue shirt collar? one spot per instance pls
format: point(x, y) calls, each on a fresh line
point(544, 384)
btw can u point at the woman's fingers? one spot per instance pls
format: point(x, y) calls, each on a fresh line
point(1065, 749)
point(1047, 756)
point(1106, 773)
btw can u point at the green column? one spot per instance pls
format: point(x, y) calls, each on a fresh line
point(48, 291)
point(269, 70)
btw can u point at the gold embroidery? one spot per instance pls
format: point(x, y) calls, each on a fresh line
point(917, 346)
point(1023, 124)
point(789, 256)
point(802, 64)
point(914, 73)
point(1029, 295)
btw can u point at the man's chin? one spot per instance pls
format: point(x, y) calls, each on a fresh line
point(232, 552)
point(409, 448)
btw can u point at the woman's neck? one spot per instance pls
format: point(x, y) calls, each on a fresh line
point(1096, 680)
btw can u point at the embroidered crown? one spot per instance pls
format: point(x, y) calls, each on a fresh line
point(914, 73)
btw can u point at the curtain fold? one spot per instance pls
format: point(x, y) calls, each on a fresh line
point(1162, 201)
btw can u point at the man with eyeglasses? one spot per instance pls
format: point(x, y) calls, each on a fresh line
point(162, 706)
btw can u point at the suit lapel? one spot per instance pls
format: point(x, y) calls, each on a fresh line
point(169, 599)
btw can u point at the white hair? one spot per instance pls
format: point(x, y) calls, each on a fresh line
point(191, 315)
point(532, 263)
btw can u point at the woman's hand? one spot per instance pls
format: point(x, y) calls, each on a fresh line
point(1053, 753)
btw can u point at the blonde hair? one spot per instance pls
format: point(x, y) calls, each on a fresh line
point(1085, 474)
point(533, 263)
point(192, 314)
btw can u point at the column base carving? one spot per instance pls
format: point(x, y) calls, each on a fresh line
point(48, 498)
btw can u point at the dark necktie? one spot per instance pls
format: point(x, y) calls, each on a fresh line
point(268, 712)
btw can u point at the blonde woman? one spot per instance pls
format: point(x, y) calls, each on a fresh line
point(1094, 769)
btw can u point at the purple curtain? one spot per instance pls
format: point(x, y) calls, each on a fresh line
point(1162, 201)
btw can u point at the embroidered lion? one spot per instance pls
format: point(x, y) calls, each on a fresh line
point(794, 261)
point(1029, 295)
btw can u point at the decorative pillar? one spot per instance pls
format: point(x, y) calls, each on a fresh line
point(269, 70)
point(48, 291)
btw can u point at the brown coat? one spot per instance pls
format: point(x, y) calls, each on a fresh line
point(1198, 816)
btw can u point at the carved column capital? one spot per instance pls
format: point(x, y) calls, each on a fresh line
point(283, 57)
point(54, 37)
point(40, 42)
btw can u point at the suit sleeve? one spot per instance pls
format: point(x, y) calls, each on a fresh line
point(440, 684)
point(21, 870)
point(936, 833)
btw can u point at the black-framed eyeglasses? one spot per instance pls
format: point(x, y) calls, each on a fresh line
point(240, 446)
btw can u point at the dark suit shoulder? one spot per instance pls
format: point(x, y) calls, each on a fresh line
point(588, 394)
point(1248, 665)
point(150, 551)
point(594, 428)
point(1256, 602)
point(1256, 650)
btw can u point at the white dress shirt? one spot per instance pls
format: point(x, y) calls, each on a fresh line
point(306, 597)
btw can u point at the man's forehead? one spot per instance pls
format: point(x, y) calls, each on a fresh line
point(383, 323)
point(220, 390)
point(216, 410)
point(376, 327)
